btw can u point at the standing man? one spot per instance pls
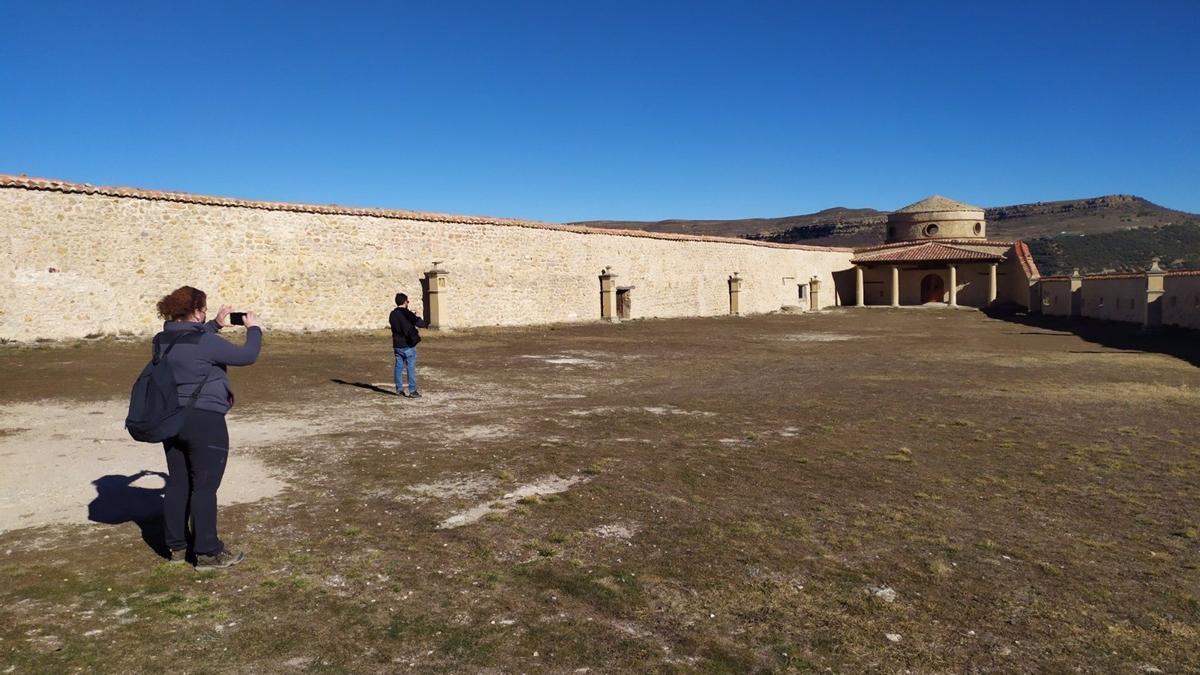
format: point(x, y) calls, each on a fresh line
point(405, 337)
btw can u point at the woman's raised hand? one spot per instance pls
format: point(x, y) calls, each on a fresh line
point(222, 318)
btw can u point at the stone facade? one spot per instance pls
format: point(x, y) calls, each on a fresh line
point(83, 261)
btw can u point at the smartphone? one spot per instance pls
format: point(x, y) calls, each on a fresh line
point(237, 318)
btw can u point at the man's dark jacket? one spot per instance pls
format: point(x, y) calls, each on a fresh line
point(404, 328)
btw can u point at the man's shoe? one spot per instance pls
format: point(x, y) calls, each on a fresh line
point(177, 557)
point(415, 394)
point(402, 394)
point(217, 561)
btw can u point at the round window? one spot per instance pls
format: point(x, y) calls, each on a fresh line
point(931, 229)
point(978, 228)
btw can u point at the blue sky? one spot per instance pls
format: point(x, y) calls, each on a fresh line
point(566, 111)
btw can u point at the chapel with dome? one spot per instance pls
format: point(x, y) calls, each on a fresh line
point(937, 251)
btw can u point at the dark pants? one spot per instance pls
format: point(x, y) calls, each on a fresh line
point(195, 464)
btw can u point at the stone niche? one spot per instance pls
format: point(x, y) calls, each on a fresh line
point(624, 302)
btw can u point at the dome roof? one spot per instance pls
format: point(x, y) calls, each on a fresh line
point(937, 203)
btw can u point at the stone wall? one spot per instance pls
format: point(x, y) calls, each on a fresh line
point(1181, 299)
point(1056, 296)
point(1115, 298)
point(86, 261)
point(1154, 298)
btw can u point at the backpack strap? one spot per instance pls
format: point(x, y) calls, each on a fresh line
point(156, 357)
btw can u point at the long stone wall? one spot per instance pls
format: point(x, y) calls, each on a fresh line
point(91, 261)
point(1153, 298)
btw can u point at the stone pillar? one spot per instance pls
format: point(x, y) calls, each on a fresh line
point(992, 283)
point(895, 285)
point(608, 296)
point(814, 294)
point(735, 287)
point(953, 286)
point(1076, 293)
point(1154, 292)
point(435, 284)
point(858, 285)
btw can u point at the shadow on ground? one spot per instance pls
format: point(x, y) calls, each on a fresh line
point(119, 501)
point(364, 385)
point(1180, 343)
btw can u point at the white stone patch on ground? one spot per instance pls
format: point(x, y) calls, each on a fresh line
point(882, 593)
point(622, 531)
point(477, 432)
point(53, 451)
point(650, 409)
point(817, 337)
point(632, 629)
point(450, 488)
point(564, 360)
point(546, 486)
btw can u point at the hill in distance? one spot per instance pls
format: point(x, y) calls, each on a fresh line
point(1113, 232)
point(838, 222)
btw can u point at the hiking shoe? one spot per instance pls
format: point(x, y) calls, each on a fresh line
point(177, 557)
point(402, 394)
point(415, 394)
point(217, 561)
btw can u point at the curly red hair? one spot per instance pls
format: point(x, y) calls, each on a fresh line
point(181, 302)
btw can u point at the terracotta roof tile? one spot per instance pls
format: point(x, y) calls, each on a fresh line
point(1025, 257)
point(1123, 275)
point(45, 184)
point(987, 243)
point(1114, 275)
point(930, 251)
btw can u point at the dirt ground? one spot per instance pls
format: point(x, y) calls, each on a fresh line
point(857, 490)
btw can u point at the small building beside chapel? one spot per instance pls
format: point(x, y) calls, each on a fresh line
point(937, 251)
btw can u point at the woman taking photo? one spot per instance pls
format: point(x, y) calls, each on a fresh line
point(196, 456)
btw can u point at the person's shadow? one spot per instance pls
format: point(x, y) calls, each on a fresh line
point(364, 385)
point(119, 501)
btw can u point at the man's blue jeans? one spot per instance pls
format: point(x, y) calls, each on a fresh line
point(406, 359)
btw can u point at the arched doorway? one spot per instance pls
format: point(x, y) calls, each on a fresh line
point(933, 289)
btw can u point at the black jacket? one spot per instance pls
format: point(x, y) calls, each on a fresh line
point(404, 328)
